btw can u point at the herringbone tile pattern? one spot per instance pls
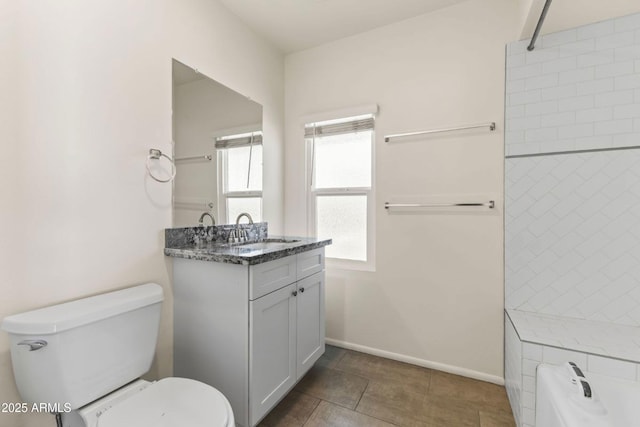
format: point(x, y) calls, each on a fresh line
point(572, 235)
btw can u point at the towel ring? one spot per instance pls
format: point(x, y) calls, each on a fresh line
point(155, 154)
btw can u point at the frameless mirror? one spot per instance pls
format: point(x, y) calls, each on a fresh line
point(217, 136)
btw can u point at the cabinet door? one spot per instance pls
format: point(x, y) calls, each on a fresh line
point(272, 349)
point(310, 322)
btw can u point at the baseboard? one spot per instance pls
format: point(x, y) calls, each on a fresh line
point(418, 362)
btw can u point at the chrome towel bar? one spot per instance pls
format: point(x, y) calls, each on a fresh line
point(206, 157)
point(491, 126)
point(490, 204)
point(193, 205)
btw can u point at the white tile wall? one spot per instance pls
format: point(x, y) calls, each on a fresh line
point(589, 74)
point(574, 338)
point(572, 221)
point(531, 358)
point(611, 367)
point(572, 235)
point(513, 369)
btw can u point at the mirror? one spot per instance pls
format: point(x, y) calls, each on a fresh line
point(217, 136)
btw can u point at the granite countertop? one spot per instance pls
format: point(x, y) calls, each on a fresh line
point(255, 252)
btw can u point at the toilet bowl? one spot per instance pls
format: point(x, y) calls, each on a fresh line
point(169, 402)
point(86, 356)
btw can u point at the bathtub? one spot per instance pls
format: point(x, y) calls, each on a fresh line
point(564, 398)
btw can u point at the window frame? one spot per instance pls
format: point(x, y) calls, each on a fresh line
point(313, 193)
point(224, 195)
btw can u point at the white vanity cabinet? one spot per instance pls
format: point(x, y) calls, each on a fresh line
point(309, 322)
point(250, 331)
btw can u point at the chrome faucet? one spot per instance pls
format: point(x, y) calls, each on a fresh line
point(241, 215)
point(201, 220)
point(239, 235)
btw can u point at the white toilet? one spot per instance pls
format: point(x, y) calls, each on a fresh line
point(564, 398)
point(85, 357)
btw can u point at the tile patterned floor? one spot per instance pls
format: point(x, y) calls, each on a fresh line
point(350, 389)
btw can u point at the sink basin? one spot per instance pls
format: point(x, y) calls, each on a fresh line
point(280, 240)
point(212, 245)
point(272, 243)
point(267, 244)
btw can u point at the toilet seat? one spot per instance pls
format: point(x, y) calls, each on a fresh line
point(171, 402)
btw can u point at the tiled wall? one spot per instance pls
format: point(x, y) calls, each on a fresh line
point(513, 368)
point(587, 336)
point(572, 240)
point(572, 217)
point(579, 89)
point(572, 201)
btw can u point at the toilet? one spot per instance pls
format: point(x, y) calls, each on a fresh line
point(565, 398)
point(84, 358)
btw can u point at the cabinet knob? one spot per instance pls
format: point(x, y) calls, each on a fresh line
point(294, 293)
point(301, 289)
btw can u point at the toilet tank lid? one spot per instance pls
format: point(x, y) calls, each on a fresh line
point(60, 317)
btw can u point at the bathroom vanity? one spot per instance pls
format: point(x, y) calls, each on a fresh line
point(248, 318)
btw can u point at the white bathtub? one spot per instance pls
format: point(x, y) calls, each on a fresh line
point(560, 402)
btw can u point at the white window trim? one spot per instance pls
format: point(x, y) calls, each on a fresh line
point(346, 264)
point(236, 130)
point(336, 114)
point(224, 195)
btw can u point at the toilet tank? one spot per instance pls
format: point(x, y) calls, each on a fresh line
point(93, 345)
point(562, 400)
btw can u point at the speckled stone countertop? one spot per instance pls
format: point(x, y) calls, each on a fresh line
point(259, 249)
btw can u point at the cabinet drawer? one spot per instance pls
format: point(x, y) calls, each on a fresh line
point(310, 262)
point(270, 276)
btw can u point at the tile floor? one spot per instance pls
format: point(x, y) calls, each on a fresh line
point(348, 389)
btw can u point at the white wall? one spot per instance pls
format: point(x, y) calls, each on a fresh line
point(201, 108)
point(437, 295)
point(86, 92)
point(11, 208)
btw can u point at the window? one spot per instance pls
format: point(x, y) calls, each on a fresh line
point(340, 161)
point(240, 175)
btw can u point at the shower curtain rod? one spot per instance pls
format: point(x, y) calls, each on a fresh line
point(545, 9)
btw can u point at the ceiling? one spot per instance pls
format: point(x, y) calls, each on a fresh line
point(294, 25)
